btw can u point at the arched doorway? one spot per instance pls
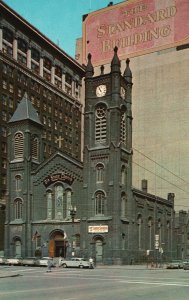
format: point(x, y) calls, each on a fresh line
point(99, 249)
point(57, 244)
point(17, 247)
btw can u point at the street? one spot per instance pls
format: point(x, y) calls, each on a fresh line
point(112, 283)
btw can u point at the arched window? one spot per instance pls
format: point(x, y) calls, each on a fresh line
point(99, 203)
point(168, 240)
point(17, 182)
point(150, 233)
point(18, 145)
point(100, 123)
point(123, 205)
point(123, 128)
point(99, 172)
point(77, 240)
point(159, 225)
point(18, 209)
point(123, 175)
point(35, 148)
point(49, 205)
point(68, 202)
point(59, 202)
point(139, 221)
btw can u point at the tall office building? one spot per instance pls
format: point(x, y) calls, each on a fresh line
point(30, 62)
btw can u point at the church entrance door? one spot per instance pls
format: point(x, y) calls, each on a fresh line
point(99, 250)
point(57, 244)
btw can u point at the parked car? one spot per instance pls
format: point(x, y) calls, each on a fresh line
point(2, 260)
point(186, 265)
point(175, 264)
point(44, 262)
point(14, 261)
point(75, 262)
point(29, 261)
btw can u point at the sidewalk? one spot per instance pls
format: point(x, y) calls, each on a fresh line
point(130, 267)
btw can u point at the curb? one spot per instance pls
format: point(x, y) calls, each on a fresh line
point(4, 275)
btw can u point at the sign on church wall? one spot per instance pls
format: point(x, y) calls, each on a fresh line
point(98, 229)
point(62, 177)
point(136, 27)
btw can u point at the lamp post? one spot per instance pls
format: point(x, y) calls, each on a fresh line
point(72, 214)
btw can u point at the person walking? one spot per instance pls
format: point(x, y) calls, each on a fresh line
point(49, 264)
point(60, 261)
point(91, 263)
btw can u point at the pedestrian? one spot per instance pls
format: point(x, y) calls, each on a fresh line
point(60, 261)
point(91, 263)
point(49, 264)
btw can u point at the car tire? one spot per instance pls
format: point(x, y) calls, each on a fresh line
point(81, 266)
point(64, 266)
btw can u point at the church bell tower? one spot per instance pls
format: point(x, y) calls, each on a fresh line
point(107, 158)
point(25, 154)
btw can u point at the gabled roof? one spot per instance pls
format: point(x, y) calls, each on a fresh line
point(25, 111)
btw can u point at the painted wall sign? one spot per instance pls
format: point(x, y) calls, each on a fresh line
point(136, 27)
point(58, 177)
point(98, 229)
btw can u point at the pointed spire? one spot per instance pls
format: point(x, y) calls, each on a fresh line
point(25, 111)
point(127, 73)
point(89, 69)
point(115, 63)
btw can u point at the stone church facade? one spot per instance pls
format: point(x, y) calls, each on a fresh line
point(65, 207)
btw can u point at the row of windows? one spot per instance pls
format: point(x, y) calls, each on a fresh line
point(59, 203)
point(5, 116)
point(149, 232)
point(22, 48)
point(7, 85)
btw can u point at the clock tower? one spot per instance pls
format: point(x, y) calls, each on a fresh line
point(107, 204)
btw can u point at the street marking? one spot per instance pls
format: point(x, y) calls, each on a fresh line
point(155, 283)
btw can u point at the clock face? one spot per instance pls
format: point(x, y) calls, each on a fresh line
point(101, 90)
point(122, 92)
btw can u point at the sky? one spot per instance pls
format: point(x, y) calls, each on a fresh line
point(59, 20)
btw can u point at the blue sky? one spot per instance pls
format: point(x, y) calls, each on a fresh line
point(59, 20)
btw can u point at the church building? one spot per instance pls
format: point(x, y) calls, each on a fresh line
point(61, 206)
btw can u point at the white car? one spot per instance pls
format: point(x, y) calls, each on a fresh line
point(75, 262)
point(43, 262)
point(175, 264)
point(29, 261)
point(14, 261)
point(2, 260)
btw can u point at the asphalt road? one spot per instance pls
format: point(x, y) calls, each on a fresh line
point(117, 283)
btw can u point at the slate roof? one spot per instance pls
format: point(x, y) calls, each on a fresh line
point(25, 111)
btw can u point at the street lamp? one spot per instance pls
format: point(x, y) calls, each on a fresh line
point(72, 214)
